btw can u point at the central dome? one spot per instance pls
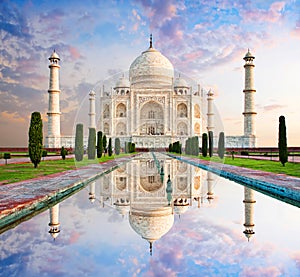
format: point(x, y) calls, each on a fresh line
point(151, 69)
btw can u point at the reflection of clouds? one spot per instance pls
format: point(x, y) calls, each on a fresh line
point(201, 242)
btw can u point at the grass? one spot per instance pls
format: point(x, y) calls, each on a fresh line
point(12, 173)
point(292, 169)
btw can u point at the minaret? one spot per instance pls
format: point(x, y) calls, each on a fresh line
point(210, 111)
point(92, 113)
point(53, 137)
point(249, 105)
point(54, 221)
point(249, 211)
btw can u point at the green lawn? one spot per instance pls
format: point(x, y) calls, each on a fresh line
point(11, 173)
point(292, 169)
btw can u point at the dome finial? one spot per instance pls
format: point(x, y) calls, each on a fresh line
point(150, 248)
point(150, 40)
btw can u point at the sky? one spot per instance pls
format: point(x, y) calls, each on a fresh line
point(205, 40)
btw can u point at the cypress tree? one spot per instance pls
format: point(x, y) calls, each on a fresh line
point(204, 144)
point(109, 147)
point(99, 144)
point(195, 146)
point(282, 141)
point(35, 142)
point(186, 147)
point(92, 144)
point(211, 143)
point(104, 141)
point(79, 151)
point(170, 147)
point(117, 146)
point(221, 145)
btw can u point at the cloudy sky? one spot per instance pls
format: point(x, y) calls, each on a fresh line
point(204, 39)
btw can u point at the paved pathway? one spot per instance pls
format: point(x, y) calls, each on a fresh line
point(27, 159)
point(292, 159)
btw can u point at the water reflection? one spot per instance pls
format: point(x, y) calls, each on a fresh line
point(109, 227)
point(54, 221)
point(249, 212)
point(139, 192)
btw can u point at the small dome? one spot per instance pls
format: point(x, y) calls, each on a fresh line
point(123, 83)
point(180, 83)
point(54, 55)
point(122, 207)
point(151, 68)
point(249, 55)
point(92, 93)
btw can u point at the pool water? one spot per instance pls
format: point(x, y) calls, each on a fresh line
point(136, 221)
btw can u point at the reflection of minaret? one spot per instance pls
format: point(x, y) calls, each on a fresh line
point(210, 111)
point(54, 222)
point(210, 182)
point(92, 196)
point(249, 211)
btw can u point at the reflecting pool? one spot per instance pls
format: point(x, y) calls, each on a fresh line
point(137, 221)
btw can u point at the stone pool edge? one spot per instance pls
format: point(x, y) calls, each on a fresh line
point(24, 210)
point(264, 186)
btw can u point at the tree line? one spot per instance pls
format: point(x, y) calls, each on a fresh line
point(97, 143)
point(95, 147)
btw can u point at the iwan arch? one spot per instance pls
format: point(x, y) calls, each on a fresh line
point(152, 107)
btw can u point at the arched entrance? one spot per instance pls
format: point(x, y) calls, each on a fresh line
point(152, 119)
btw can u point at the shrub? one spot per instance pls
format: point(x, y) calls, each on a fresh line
point(99, 145)
point(282, 141)
point(79, 150)
point(63, 152)
point(6, 156)
point(109, 147)
point(35, 141)
point(44, 153)
point(117, 146)
point(104, 141)
point(92, 144)
point(204, 144)
point(210, 143)
point(245, 153)
point(221, 145)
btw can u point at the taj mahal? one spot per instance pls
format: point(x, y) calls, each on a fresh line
point(151, 107)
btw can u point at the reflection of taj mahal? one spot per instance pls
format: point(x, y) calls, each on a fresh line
point(152, 107)
point(142, 192)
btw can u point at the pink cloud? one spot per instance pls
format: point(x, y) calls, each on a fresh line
point(74, 53)
point(296, 31)
point(74, 237)
point(274, 14)
point(273, 107)
point(11, 117)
